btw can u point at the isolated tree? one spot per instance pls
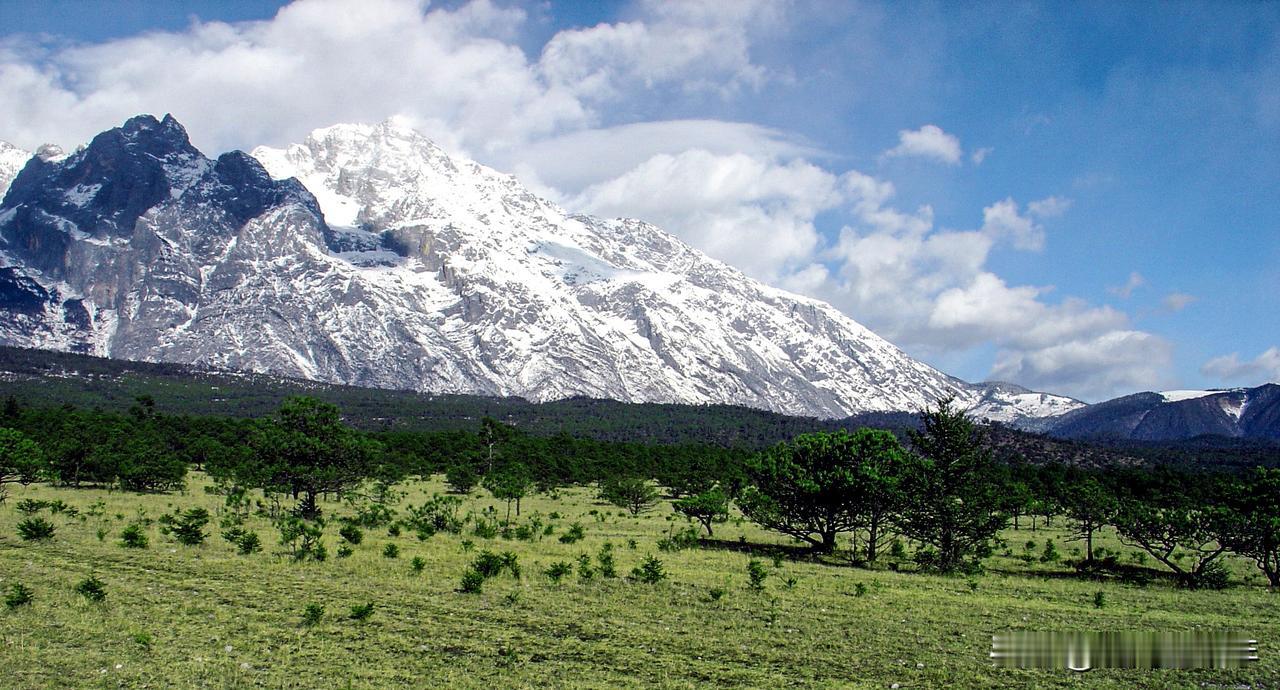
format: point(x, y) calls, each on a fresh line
point(709, 507)
point(808, 489)
point(633, 493)
point(492, 435)
point(306, 450)
point(511, 484)
point(1090, 505)
point(461, 478)
point(949, 499)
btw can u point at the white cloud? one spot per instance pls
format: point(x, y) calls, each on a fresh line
point(752, 212)
point(1231, 369)
point(927, 142)
point(1177, 301)
point(456, 74)
point(929, 289)
point(1091, 368)
point(979, 155)
point(575, 160)
point(1002, 219)
point(697, 45)
point(1125, 291)
point(1049, 207)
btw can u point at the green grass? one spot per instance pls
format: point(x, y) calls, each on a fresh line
point(204, 616)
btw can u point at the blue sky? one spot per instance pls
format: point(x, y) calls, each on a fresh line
point(1078, 197)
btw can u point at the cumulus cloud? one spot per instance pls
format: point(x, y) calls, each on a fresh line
point(455, 73)
point(927, 142)
point(930, 290)
point(699, 45)
point(1002, 219)
point(980, 154)
point(1231, 369)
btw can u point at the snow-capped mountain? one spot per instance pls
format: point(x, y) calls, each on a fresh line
point(388, 262)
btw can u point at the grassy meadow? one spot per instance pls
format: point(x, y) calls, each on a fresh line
point(206, 616)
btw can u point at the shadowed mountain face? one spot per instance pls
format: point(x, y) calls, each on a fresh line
point(1252, 413)
point(398, 265)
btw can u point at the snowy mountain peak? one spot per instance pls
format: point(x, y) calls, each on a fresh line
point(12, 159)
point(371, 256)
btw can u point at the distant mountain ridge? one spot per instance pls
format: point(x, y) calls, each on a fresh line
point(370, 256)
point(1252, 413)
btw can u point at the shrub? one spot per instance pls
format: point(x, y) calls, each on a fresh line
point(859, 589)
point(134, 537)
point(607, 565)
point(19, 595)
point(1213, 575)
point(28, 506)
point(391, 551)
point(35, 529)
point(373, 515)
point(188, 527)
point(440, 514)
point(687, 538)
point(362, 612)
point(756, 575)
point(394, 530)
point(585, 571)
point(486, 528)
point(92, 588)
point(249, 543)
point(351, 533)
point(312, 614)
point(301, 538)
point(490, 564)
point(345, 551)
point(650, 571)
point(1050, 554)
point(418, 564)
point(472, 582)
point(574, 534)
point(716, 593)
point(1099, 600)
point(558, 570)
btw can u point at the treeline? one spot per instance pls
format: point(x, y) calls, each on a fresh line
point(941, 489)
point(145, 450)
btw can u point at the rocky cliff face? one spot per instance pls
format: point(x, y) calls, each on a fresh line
point(370, 256)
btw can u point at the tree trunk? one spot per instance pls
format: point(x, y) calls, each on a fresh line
point(828, 542)
point(873, 541)
point(1088, 544)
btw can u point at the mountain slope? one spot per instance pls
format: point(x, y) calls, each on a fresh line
point(1252, 413)
point(410, 268)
